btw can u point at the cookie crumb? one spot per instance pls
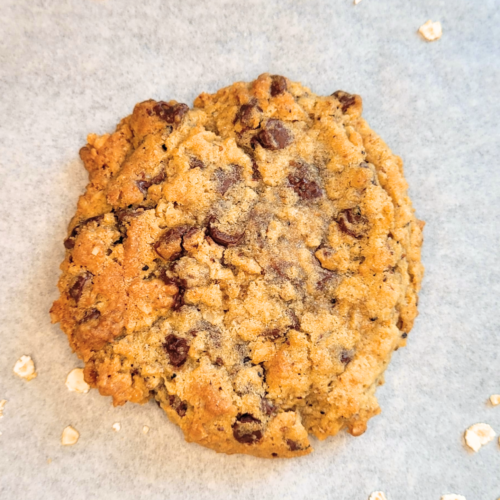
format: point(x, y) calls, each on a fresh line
point(356, 2)
point(69, 436)
point(478, 435)
point(116, 426)
point(452, 496)
point(25, 368)
point(75, 381)
point(145, 429)
point(495, 399)
point(431, 31)
point(378, 495)
point(2, 405)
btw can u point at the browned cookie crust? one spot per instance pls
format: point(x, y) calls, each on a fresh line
point(251, 263)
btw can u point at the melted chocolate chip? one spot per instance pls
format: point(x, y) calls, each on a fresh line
point(91, 315)
point(127, 214)
point(249, 115)
point(345, 99)
point(293, 445)
point(223, 238)
point(247, 429)
point(69, 242)
point(143, 186)
point(170, 113)
point(227, 179)
point(346, 356)
point(307, 190)
point(158, 179)
point(274, 136)
point(178, 405)
point(76, 289)
point(267, 407)
point(168, 247)
point(278, 85)
point(196, 163)
point(177, 349)
point(351, 222)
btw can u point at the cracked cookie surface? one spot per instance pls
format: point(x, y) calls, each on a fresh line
point(251, 263)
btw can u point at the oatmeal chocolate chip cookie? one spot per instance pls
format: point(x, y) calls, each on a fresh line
point(251, 263)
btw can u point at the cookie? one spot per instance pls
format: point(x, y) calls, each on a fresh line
point(250, 263)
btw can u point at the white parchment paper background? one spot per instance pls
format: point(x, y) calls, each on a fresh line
point(70, 67)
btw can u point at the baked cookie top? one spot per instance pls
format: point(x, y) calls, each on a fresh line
point(251, 263)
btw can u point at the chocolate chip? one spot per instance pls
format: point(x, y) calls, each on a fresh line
point(247, 429)
point(196, 163)
point(158, 179)
point(69, 242)
point(346, 356)
point(249, 115)
point(404, 335)
point(163, 147)
point(168, 247)
point(226, 179)
point(275, 135)
point(90, 315)
point(351, 222)
point(143, 186)
point(145, 268)
point(127, 214)
point(274, 454)
point(76, 289)
point(293, 445)
point(307, 190)
point(178, 405)
point(246, 359)
point(219, 362)
point(278, 85)
point(345, 99)
point(267, 407)
point(256, 175)
point(170, 113)
point(177, 349)
point(223, 238)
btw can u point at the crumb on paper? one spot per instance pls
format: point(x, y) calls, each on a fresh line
point(145, 429)
point(116, 426)
point(75, 381)
point(452, 496)
point(25, 368)
point(478, 435)
point(378, 495)
point(69, 436)
point(2, 406)
point(495, 399)
point(431, 31)
point(356, 2)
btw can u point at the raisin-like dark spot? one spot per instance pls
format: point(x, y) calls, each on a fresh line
point(293, 445)
point(278, 85)
point(404, 335)
point(164, 147)
point(177, 349)
point(273, 334)
point(267, 407)
point(223, 238)
point(158, 179)
point(178, 405)
point(168, 247)
point(247, 429)
point(346, 356)
point(274, 454)
point(170, 113)
point(97, 218)
point(196, 163)
point(91, 315)
point(76, 289)
point(143, 186)
point(246, 359)
point(351, 222)
point(145, 268)
point(256, 175)
point(345, 99)
point(69, 242)
point(275, 135)
point(227, 179)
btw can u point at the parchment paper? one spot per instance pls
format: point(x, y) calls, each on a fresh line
point(70, 67)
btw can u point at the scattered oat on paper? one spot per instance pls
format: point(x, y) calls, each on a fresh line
point(431, 31)
point(356, 2)
point(2, 406)
point(116, 426)
point(69, 436)
point(478, 435)
point(452, 496)
point(25, 368)
point(75, 381)
point(378, 495)
point(495, 399)
point(145, 429)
